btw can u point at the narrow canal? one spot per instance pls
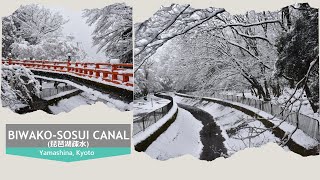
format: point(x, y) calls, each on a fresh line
point(51, 93)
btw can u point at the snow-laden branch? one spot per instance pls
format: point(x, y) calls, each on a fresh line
point(243, 48)
point(164, 29)
point(251, 24)
point(153, 44)
point(253, 37)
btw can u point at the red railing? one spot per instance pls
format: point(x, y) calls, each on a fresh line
point(115, 73)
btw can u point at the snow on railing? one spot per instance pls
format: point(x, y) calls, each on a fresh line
point(142, 123)
point(114, 73)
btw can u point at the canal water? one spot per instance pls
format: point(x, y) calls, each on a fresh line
point(49, 89)
point(52, 90)
point(57, 97)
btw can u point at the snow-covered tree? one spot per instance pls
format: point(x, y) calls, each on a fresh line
point(209, 37)
point(226, 52)
point(166, 24)
point(113, 30)
point(149, 80)
point(48, 49)
point(34, 32)
point(18, 87)
point(9, 34)
point(36, 23)
point(260, 53)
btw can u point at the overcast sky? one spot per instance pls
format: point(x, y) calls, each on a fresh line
point(78, 28)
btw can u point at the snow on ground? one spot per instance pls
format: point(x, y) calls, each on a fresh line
point(60, 94)
point(299, 136)
point(96, 95)
point(246, 94)
point(142, 106)
point(66, 105)
point(234, 124)
point(305, 108)
point(47, 85)
point(287, 92)
point(84, 98)
point(182, 137)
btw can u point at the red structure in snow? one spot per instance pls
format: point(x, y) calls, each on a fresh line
point(115, 73)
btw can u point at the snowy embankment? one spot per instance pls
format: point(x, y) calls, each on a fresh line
point(306, 108)
point(298, 137)
point(236, 125)
point(60, 94)
point(66, 105)
point(95, 95)
point(154, 127)
point(182, 137)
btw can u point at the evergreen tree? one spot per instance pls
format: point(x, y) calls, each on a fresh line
point(299, 54)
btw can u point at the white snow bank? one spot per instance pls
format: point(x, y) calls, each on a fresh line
point(141, 106)
point(115, 61)
point(47, 85)
point(305, 109)
point(182, 137)
point(298, 137)
point(154, 127)
point(66, 105)
point(60, 94)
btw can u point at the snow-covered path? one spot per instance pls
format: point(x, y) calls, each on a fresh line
point(182, 137)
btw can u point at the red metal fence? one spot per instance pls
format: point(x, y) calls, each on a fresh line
point(115, 73)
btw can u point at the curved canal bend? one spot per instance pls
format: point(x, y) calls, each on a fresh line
point(210, 134)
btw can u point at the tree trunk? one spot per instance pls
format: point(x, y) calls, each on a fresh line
point(267, 98)
point(261, 92)
point(259, 88)
point(292, 85)
point(278, 90)
point(314, 106)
